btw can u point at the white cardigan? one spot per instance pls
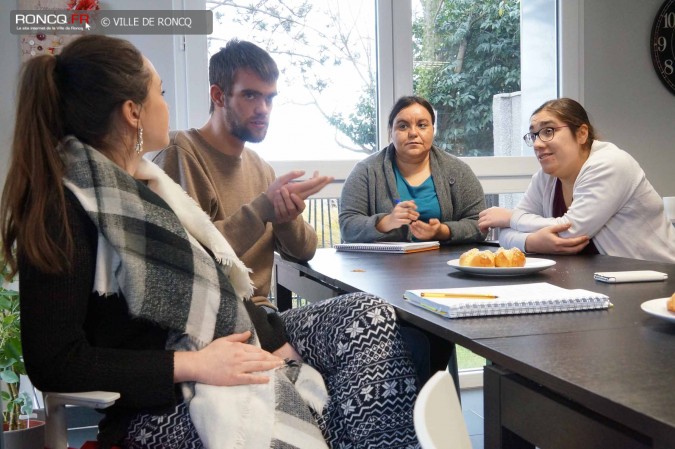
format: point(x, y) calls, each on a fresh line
point(613, 203)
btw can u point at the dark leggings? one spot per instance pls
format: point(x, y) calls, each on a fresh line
point(355, 342)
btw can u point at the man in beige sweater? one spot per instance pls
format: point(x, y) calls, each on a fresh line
point(260, 214)
point(257, 213)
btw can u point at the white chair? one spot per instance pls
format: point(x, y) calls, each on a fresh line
point(55, 412)
point(438, 418)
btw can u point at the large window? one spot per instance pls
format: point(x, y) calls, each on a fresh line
point(467, 62)
point(484, 65)
point(344, 63)
point(325, 51)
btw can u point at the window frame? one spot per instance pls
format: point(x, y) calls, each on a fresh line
point(497, 174)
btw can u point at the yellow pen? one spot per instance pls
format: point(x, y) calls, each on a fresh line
point(457, 295)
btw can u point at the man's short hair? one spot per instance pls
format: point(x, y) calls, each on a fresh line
point(237, 55)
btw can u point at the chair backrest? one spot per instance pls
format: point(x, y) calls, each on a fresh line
point(56, 435)
point(438, 418)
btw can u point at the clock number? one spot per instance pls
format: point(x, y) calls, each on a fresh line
point(668, 67)
point(669, 20)
point(661, 43)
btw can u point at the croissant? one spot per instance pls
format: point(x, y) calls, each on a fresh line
point(671, 303)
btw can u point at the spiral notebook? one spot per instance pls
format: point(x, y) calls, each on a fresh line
point(539, 297)
point(389, 247)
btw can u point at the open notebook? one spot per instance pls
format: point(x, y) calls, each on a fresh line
point(388, 247)
point(505, 300)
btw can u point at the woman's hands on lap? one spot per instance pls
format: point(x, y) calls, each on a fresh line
point(226, 361)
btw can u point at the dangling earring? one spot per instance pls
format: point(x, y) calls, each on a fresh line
point(139, 141)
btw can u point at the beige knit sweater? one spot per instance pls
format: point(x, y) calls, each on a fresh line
point(231, 191)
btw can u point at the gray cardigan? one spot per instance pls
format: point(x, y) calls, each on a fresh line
point(370, 189)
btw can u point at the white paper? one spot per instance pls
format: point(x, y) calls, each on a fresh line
point(613, 277)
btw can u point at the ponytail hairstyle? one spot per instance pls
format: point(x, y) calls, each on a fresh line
point(76, 93)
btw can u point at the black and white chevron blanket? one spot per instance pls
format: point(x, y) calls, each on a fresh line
point(151, 244)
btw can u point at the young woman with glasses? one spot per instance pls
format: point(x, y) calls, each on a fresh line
point(589, 196)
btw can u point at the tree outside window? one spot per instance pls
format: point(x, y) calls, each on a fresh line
point(465, 52)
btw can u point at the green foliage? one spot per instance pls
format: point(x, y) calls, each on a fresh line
point(11, 356)
point(466, 52)
point(360, 125)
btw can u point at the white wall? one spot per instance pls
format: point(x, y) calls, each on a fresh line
point(9, 55)
point(538, 67)
point(628, 104)
point(167, 53)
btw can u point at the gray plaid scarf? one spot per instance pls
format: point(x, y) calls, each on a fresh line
point(147, 252)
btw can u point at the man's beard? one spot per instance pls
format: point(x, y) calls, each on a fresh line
point(239, 130)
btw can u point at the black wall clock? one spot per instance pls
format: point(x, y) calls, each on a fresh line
point(663, 44)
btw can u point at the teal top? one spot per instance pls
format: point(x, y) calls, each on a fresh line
point(370, 191)
point(424, 195)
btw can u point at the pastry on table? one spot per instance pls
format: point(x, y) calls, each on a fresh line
point(503, 258)
point(476, 258)
point(509, 258)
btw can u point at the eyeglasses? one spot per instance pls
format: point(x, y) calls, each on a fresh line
point(544, 134)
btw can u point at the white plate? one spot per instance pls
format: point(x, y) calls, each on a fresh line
point(532, 265)
point(657, 307)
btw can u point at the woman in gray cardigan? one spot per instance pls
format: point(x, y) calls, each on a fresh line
point(411, 189)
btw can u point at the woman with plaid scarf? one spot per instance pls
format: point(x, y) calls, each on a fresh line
point(126, 286)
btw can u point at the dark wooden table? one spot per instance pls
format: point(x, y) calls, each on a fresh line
point(597, 379)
